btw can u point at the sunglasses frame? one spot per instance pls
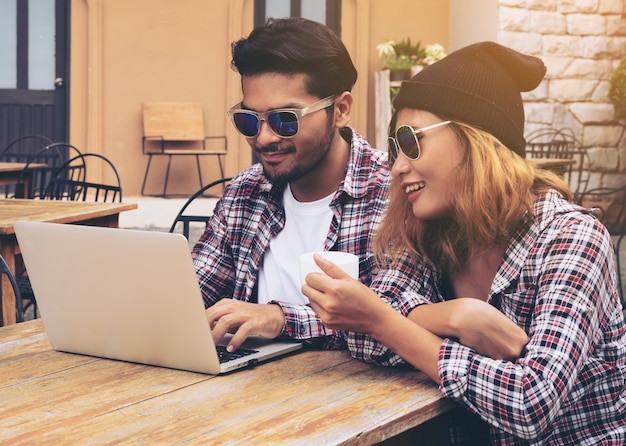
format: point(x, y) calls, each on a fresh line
point(393, 141)
point(298, 112)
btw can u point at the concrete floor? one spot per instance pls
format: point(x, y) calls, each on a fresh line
point(157, 214)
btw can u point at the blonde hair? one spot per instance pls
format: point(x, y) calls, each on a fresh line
point(496, 188)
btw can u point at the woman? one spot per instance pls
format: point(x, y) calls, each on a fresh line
point(523, 326)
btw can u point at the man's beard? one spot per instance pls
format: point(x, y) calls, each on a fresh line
point(323, 147)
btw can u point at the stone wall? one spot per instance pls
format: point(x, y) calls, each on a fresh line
point(581, 43)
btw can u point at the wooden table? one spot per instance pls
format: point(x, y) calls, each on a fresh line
point(10, 173)
point(309, 398)
point(88, 213)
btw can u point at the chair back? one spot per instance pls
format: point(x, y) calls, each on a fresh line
point(177, 129)
point(198, 217)
point(42, 166)
point(4, 269)
point(173, 121)
point(20, 150)
point(609, 205)
point(562, 144)
point(71, 180)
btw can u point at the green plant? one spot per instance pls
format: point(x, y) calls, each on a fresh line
point(400, 55)
point(403, 55)
point(617, 90)
point(406, 48)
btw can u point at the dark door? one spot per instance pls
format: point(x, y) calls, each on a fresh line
point(34, 68)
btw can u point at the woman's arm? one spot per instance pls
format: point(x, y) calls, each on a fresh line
point(347, 304)
point(476, 324)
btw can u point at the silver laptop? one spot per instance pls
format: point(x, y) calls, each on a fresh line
point(126, 294)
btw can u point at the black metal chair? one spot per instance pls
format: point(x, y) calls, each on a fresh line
point(562, 144)
point(4, 269)
point(610, 206)
point(20, 150)
point(70, 180)
point(39, 170)
point(42, 166)
point(187, 216)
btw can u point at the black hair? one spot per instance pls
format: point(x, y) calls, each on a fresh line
point(296, 45)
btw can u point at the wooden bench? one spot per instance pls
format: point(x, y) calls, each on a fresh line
point(177, 129)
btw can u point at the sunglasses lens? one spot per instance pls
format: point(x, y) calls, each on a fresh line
point(408, 142)
point(246, 123)
point(283, 123)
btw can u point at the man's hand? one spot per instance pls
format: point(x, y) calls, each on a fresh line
point(244, 319)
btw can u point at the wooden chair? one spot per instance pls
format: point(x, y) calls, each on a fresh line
point(562, 144)
point(177, 129)
point(610, 208)
point(70, 181)
point(188, 216)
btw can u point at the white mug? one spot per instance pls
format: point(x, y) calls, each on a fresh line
point(346, 261)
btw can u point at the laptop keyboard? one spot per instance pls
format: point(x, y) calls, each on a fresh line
point(224, 355)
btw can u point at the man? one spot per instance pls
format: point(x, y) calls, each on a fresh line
point(318, 186)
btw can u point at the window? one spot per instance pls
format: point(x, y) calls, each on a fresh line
point(327, 12)
point(27, 44)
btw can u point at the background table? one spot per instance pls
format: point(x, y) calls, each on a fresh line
point(11, 172)
point(79, 212)
point(309, 398)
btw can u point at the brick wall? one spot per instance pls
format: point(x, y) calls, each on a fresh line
point(581, 43)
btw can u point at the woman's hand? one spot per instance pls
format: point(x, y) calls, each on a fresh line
point(484, 328)
point(476, 324)
point(346, 304)
point(342, 302)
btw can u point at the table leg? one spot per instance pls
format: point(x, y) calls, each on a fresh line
point(7, 309)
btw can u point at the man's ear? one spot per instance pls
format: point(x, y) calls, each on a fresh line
point(343, 107)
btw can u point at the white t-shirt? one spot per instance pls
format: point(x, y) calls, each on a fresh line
point(306, 228)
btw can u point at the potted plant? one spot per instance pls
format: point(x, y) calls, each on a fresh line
point(403, 56)
point(399, 57)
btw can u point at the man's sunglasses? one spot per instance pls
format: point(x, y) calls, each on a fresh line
point(284, 122)
point(407, 140)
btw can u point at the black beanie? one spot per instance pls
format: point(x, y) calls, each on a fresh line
point(478, 85)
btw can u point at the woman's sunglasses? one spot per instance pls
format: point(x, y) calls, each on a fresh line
point(407, 140)
point(284, 122)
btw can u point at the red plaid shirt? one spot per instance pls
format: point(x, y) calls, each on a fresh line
point(558, 283)
point(229, 254)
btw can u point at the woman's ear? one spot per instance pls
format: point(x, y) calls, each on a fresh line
point(343, 107)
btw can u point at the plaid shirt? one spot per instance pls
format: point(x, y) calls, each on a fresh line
point(557, 281)
point(229, 254)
